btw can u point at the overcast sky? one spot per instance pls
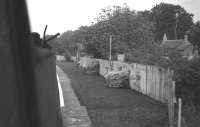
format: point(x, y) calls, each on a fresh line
point(63, 15)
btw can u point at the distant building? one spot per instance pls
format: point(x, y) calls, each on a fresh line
point(121, 57)
point(183, 46)
point(60, 58)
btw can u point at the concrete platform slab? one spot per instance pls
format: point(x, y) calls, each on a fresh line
point(74, 115)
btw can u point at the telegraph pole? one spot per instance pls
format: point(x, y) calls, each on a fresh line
point(176, 24)
point(110, 57)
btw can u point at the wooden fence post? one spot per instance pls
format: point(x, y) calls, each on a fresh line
point(171, 96)
point(179, 112)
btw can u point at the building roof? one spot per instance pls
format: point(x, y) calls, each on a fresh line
point(184, 45)
point(180, 44)
point(172, 44)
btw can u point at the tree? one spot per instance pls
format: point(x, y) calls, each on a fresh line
point(69, 39)
point(129, 30)
point(164, 17)
point(57, 46)
point(194, 33)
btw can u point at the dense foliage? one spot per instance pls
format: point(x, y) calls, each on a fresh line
point(57, 46)
point(186, 76)
point(194, 33)
point(132, 32)
point(171, 19)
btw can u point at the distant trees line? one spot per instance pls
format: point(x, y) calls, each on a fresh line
point(132, 32)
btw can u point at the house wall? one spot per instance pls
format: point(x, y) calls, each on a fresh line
point(166, 52)
point(195, 53)
point(188, 51)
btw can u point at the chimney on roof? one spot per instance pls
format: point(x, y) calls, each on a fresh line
point(186, 37)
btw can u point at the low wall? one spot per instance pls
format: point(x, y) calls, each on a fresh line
point(152, 81)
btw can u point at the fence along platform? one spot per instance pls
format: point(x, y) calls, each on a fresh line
point(152, 81)
point(149, 80)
